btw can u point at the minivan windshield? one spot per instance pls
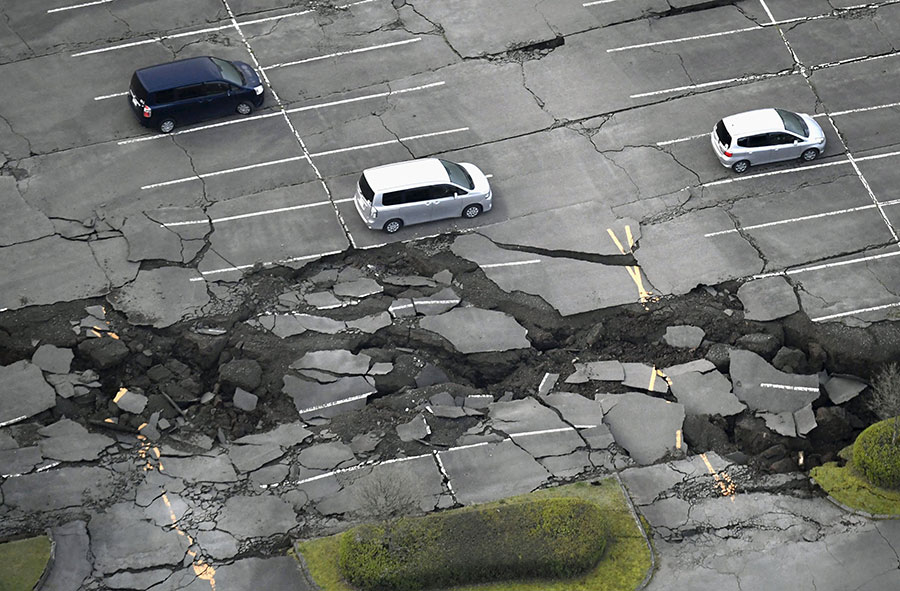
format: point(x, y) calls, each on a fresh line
point(229, 72)
point(793, 122)
point(458, 174)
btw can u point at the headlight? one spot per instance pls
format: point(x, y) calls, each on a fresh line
point(258, 89)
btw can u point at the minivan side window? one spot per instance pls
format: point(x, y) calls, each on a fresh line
point(418, 194)
point(441, 191)
point(213, 88)
point(189, 92)
point(164, 96)
point(393, 198)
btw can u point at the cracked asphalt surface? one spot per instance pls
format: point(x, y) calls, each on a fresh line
point(180, 279)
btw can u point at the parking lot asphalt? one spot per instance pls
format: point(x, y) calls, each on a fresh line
point(585, 104)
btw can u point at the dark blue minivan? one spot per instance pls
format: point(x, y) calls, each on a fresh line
point(192, 90)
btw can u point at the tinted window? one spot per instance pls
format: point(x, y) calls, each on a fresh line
point(793, 122)
point(419, 194)
point(229, 72)
point(781, 138)
point(441, 191)
point(216, 87)
point(189, 92)
point(754, 141)
point(164, 96)
point(393, 198)
point(458, 174)
point(723, 135)
point(366, 190)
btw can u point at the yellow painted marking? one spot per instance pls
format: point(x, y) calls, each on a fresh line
point(728, 490)
point(662, 374)
point(108, 420)
point(629, 236)
point(142, 425)
point(156, 452)
point(678, 439)
point(113, 335)
point(615, 240)
point(95, 333)
point(119, 394)
point(652, 379)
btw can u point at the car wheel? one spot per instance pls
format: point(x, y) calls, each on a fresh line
point(244, 108)
point(167, 125)
point(809, 155)
point(471, 211)
point(393, 226)
point(740, 166)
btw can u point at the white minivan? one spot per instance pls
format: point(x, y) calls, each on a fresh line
point(395, 195)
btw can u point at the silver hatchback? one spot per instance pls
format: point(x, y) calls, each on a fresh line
point(395, 195)
point(766, 135)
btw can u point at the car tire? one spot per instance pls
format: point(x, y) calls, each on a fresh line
point(244, 108)
point(472, 211)
point(809, 155)
point(393, 226)
point(740, 166)
point(167, 125)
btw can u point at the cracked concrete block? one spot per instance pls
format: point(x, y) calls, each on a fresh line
point(258, 516)
point(705, 394)
point(269, 475)
point(408, 281)
point(698, 365)
point(684, 336)
point(25, 392)
point(555, 443)
point(491, 471)
point(547, 383)
point(442, 301)
point(644, 377)
point(363, 443)
point(430, 375)
point(843, 388)
point(598, 437)
point(53, 359)
point(247, 458)
point(415, 430)
point(242, 373)
point(161, 297)
point(575, 409)
point(769, 298)
point(371, 324)
point(567, 466)
point(327, 400)
point(646, 427)
point(402, 308)
point(327, 456)
point(604, 371)
point(201, 468)
point(764, 388)
point(166, 510)
point(447, 412)
point(670, 513)
point(121, 540)
point(381, 368)
point(335, 361)
point(285, 435)
point(19, 460)
point(218, 545)
point(805, 420)
point(358, 289)
point(780, 422)
point(478, 401)
point(71, 558)
point(322, 300)
point(498, 331)
point(319, 376)
point(68, 441)
point(130, 402)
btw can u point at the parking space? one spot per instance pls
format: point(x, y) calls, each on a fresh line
point(614, 117)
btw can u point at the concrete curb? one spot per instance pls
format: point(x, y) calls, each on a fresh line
point(50, 562)
point(640, 525)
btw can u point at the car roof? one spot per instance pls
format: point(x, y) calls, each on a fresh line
point(411, 173)
point(179, 73)
point(753, 122)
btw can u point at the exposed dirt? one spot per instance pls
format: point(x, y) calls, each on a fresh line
point(178, 365)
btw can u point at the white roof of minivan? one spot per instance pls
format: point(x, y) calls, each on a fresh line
point(412, 173)
point(752, 122)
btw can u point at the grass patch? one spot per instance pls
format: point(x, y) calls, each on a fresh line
point(621, 568)
point(22, 563)
point(849, 487)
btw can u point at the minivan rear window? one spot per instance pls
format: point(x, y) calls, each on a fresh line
point(458, 174)
point(723, 135)
point(365, 189)
point(137, 89)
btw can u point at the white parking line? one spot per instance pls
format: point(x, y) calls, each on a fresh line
point(799, 270)
point(207, 30)
point(753, 78)
point(596, 2)
point(109, 96)
point(786, 387)
point(205, 175)
point(513, 264)
point(682, 139)
point(341, 53)
point(74, 6)
point(854, 312)
point(683, 39)
point(802, 218)
point(773, 173)
point(277, 113)
point(253, 214)
point(337, 402)
point(269, 264)
point(864, 109)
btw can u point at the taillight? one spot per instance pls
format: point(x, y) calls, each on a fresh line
point(147, 111)
point(728, 154)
